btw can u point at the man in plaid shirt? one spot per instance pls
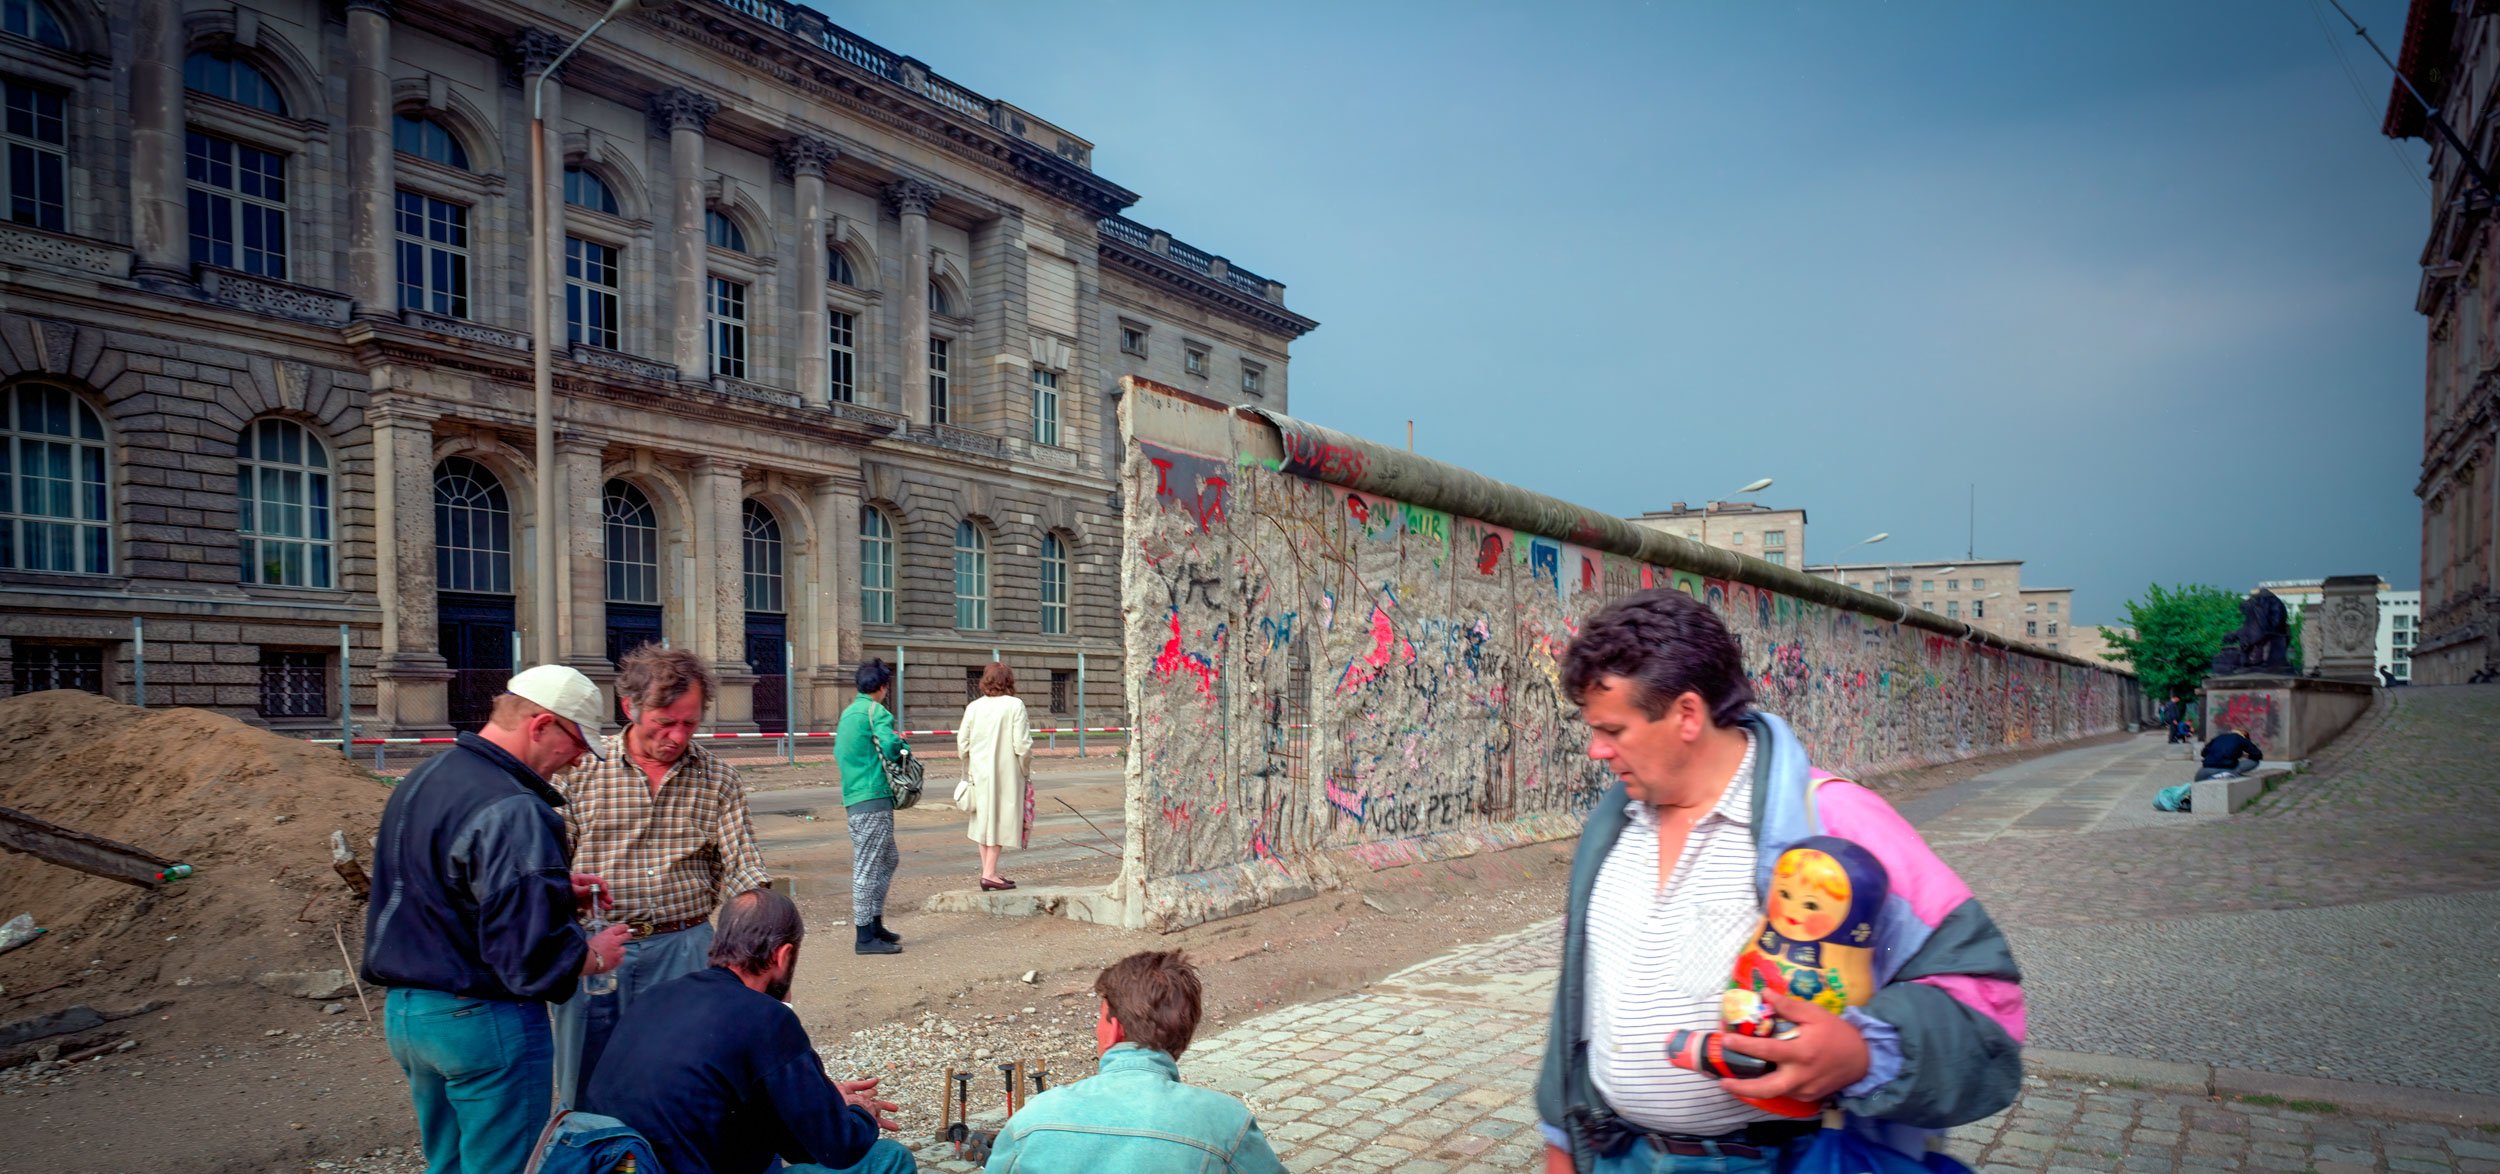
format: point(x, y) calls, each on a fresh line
point(665, 823)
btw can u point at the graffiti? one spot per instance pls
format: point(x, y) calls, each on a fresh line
point(1588, 573)
point(1173, 660)
point(1430, 525)
point(2253, 712)
point(1309, 456)
point(1277, 630)
point(1203, 477)
point(1545, 563)
point(1489, 553)
point(1354, 804)
point(1386, 645)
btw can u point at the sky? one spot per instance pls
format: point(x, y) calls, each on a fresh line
point(2142, 273)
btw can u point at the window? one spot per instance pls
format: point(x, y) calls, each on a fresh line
point(1953, 608)
point(234, 81)
point(972, 682)
point(1775, 538)
point(590, 293)
point(876, 567)
point(426, 139)
point(37, 138)
point(1979, 609)
point(238, 206)
point(1194, 360)
point(939, 303)
point(434, 256)
point(838, 268)
point(1927, 584)
point(53, 493)
point(1054, 586)
point(2052, 607)
point(294, 684)
point(33, 21)
point(633, 545)
point(1979, 584)
point(2033, 607)
point(2031, 627)
point(727, 310)
point(2403, 622)
point(841, 357)
point(282, 478)
point(1062, 687)
point(723, 233)
point(1953, 584)
point(939, 349)
point(2052, 627)
point(472, 529)
point(1777, 558)
point(1045, 407)
point(1133, 341)
point(38, 667)
point(2404, 670)
point(1252, 377)
point(584, 190)
point(972, 577)
point(763, 558)
point(1736, 539)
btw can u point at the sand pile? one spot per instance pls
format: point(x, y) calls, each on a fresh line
point(250, 810)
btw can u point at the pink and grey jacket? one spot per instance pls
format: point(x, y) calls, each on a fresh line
point(1944, 1030)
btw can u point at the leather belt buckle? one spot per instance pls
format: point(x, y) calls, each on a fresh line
point(640, 929)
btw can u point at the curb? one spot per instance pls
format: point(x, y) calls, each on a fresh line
point(2368, 1100)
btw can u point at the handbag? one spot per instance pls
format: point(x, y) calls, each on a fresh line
point(963, 793)
point(903, 774)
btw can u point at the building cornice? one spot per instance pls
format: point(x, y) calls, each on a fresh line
point(1164, 271)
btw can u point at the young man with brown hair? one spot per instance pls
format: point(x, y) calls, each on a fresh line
point(665, 822)
point(1134, 1113)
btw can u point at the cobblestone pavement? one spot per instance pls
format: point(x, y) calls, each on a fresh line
point(2078, 1125)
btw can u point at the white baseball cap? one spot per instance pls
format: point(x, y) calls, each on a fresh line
point(566, 693)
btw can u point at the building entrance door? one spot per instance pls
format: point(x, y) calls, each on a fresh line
point(476, 634)
point(768, 659)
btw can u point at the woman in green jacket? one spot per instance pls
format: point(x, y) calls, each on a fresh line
point(864, 742)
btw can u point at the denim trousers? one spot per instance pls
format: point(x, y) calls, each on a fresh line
point(886, 1157)
point(1643, 1158)
point(584, 1022)
point(479, 1072)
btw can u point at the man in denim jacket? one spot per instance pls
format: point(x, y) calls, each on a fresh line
point(1135, 1114)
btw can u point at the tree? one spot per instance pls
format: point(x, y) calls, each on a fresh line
point(2177, 632)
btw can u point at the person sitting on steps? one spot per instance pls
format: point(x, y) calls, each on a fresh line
point(2223, 754)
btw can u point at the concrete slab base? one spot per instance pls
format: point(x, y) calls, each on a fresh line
point(1093, 903)
point(2215, 798)
point(2371, 1100)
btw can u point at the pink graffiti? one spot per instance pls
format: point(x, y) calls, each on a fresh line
point(1176, 814)
point(1353, 803)
point(1386, 644)
point(1172, 660)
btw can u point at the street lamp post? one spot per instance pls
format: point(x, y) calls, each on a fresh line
point(1751, 487)
point(542, 362)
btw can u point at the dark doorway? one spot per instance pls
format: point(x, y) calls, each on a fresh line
point(476, 633)
point(630, 626)
point(768, 659)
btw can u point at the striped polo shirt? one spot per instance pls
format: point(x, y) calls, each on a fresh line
point(1659, 961)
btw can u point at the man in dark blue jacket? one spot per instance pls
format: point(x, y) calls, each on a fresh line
point(2223, 755)
point(471, 924)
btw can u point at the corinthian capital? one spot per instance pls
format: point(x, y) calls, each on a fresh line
point(805, 156)
point(682, 109)
point(911, 197)
point(533, 50)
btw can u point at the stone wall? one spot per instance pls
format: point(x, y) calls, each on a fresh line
point(1328, 676)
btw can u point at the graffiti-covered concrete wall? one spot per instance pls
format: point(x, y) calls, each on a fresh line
point(1345, 657)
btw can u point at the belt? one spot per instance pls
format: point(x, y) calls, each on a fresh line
point(1749, 1142)
point(651, 929)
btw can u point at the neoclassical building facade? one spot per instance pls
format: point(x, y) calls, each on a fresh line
point(836, 345)
point(2451, 53)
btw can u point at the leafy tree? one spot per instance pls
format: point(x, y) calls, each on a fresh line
point(2297, 619)
point(2177, 632)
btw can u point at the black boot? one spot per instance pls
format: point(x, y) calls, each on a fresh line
point(870, 943)
point(877, 927)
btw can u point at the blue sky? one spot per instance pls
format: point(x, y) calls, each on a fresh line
point(2143, 272)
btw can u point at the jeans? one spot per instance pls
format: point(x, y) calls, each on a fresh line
point(1642, 1158)
point(478, 1070)
point(584, 1022)
point(2216, 772)
point(886, 1157)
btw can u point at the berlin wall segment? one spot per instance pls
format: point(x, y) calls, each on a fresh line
point(1333, 678)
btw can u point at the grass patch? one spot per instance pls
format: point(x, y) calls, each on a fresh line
point(2271, 1101)
point(2488, 1127)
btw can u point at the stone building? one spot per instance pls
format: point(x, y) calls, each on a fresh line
point(1777, 537)
point(2451, 52)
point(2046, 616)
point(839, 341)
point(2399, 619)
point(1985, 593)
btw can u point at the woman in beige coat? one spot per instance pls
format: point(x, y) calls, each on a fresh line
point(996, 744)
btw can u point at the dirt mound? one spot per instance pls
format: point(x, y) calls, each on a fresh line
point(250, 810)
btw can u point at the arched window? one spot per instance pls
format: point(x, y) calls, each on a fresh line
point(938, 301)
point(723, 233)
point(584, 190)
point(838, 268)
point(633, 545)
point(763, 558)
point(876, 567)
point(53, 490)
point(235, 81)
point(35, 22)
point(282, 478)
point(427, 139)
point(972, 577)
point(1054, 586)
point(472, 529)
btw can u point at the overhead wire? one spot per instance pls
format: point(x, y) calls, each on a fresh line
point(2325, 30)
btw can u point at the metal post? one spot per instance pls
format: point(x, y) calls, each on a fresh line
point(789, 704)
point(897, 707)
point(139, 660)
point(1080, 705)
point(516, 649)
point(347, 726)
point(993, 656)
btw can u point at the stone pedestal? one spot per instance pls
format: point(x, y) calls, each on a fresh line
point(2346, 621)
point(2288, 717)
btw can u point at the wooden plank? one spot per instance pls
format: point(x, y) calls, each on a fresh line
point(70, 848)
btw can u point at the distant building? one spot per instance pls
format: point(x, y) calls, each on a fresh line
point(2399, 618)
point(2449, 55)
point(1987, 593)
point(2047, 617)
point(2093, 642)
point(1777, 537)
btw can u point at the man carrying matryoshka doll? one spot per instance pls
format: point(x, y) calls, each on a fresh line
point(1875, 984)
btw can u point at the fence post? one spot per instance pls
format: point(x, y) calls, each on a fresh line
point(899, 723)
point(789, 703)
point(516, 649)
point(1080, 705)
point(377, 755)
point(139, 660)
point(347, 729)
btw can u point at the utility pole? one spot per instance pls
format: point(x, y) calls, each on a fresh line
point(1971, 551)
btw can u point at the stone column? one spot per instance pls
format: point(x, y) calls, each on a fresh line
point(2347, 618)
point(833, 588)
point(410, 675)
point(582, 608)
point(718, 615)
point(372, 272)
point(533, 50)
point(805, 160)
point(911, 200)
point(160, 210)
point(684, 114)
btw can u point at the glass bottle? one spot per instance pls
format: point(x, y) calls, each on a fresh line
point(604, 982)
